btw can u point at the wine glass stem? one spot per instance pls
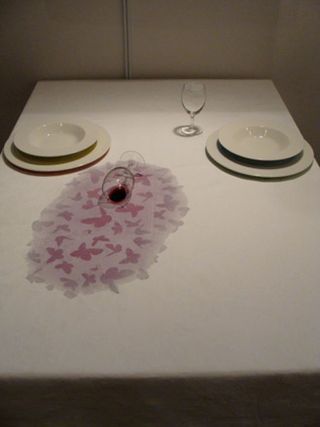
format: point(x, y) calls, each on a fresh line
point(192, 120)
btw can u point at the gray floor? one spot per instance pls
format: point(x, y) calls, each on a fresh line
point(272, 401)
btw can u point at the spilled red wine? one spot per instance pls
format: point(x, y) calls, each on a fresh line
point(118, 193)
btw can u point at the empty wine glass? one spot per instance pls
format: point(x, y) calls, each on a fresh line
point(193, 99)
point(117, 187)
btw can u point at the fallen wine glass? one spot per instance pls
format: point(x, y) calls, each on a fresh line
point(117, 187)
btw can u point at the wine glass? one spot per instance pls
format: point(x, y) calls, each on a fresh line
point(134, 161)
point(117, 187)
point(193, 99)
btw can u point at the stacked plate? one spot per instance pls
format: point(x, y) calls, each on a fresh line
point(260, 149)
point(58, 145)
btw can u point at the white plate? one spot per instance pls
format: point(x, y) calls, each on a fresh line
point(261, 140)
point(304, 162)
point(60, 164)
point(59, 138)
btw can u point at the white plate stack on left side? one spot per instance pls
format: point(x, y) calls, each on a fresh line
point(57, 145)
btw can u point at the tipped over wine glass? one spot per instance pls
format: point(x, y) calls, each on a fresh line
point(118, 184)
point(193, 99)
point(117, 187)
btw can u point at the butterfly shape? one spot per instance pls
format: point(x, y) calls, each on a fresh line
point(114, 248)
point(162, 248)
point(117, 228)
point(89, 278)
point(131, 208)
point(85, 253)
point(55, 254)
point(88, 205)
point(66, 215)
point(132, 257)
point(39, 225)
point(183, 210)
point(139, 241)
point(140, 231)
point(69, 284)
point(95, 175)
point(142, 274)
point(59, 239)
point(97, 239)
point(112, 274)
point(99, 221)
point(159, 214)
point(160, 227)
point(172, 188)
point(175, 223)
point(65, 266)
point(77, 197)
point(168, 203)
point(62, 227)
point(166, 180)
point(146, 196)
point(95, 194)
point(133, 223)
point(33, 278)
point(62, 206)
point(143, 179)
point(34, 256)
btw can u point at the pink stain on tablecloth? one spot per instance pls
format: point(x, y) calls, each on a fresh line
point(80, 246)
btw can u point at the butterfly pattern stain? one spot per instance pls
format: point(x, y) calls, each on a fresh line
point(81, 247)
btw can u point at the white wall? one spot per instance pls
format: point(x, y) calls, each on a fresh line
point(202, 38)
point(277, 39)
point(55, 39)
point(296, 70)
point(80, 39)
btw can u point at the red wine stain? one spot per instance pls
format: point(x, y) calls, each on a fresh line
point(118, 194)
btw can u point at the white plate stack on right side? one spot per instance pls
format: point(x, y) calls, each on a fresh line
point(260, 148)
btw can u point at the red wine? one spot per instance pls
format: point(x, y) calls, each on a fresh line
point(118, 193)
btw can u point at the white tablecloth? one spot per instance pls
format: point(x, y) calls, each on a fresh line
point(237, 289)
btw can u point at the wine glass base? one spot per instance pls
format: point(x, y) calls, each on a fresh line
point(134, 161)
point(187, 130)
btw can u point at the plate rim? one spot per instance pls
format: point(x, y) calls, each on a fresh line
point(302, 164)
point(296, 140)
point(21, 137)
point(103, 145)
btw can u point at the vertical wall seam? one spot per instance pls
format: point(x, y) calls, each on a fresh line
point(126, 42)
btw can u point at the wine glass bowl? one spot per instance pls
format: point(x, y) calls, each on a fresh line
point(193, 99)
point(117, 187)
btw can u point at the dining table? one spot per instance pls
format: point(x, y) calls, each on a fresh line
point(222, 327)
